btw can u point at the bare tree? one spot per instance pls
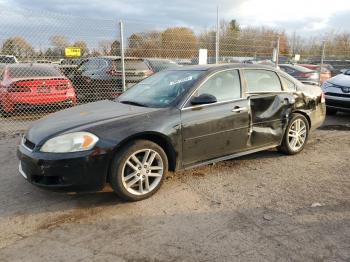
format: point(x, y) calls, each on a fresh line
point(18, 47)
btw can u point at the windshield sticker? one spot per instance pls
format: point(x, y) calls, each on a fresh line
point(189, 78)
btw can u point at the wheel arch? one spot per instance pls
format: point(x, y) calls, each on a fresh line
point(160, 139)
point(303, 113)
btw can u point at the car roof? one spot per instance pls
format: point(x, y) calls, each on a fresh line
point(218, 67)
point(115, 57)
point(22, 65)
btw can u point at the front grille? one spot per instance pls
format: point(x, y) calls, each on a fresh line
point(28, 144)
point(337, 94)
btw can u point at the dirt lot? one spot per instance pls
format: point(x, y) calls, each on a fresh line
point(263, 207)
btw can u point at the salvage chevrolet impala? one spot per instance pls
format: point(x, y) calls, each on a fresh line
point(172, 120)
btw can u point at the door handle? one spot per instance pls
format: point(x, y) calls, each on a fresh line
point(239, 109)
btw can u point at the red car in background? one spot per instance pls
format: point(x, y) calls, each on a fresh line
point(325, 73)
point(31, 85)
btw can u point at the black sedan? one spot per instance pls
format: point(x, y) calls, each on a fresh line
point(303, 74)
point(173, 120)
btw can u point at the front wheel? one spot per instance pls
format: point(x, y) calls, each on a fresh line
point(296, 135)
point(138, 170)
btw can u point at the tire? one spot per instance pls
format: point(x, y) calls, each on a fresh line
point(331, 111)
point(129, 179)
point(287, 146)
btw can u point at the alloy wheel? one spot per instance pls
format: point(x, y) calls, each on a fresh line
point(297, 134)
point(142, 172)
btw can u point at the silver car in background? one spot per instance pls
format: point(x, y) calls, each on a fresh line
point(337, 93)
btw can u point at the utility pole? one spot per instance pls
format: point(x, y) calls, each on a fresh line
point(322, 61)
point(121, 29)
point(217, 45)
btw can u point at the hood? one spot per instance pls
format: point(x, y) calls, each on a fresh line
point(340, 80)
point(80, 116)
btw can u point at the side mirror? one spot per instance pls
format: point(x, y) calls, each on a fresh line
point(203, 99)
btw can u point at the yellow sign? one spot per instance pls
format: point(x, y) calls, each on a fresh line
point(72, 52)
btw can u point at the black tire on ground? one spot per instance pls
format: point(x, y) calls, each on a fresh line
point(116, 170)
point(285, 146)
point(331, 111)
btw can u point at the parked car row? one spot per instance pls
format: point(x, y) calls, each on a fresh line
point(29, 85)
point(24, 86)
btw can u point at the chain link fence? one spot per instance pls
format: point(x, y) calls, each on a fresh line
point(49, 62)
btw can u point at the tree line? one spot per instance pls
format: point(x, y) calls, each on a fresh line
point(183, 42)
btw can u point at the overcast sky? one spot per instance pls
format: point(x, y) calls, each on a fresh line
point(98, 18)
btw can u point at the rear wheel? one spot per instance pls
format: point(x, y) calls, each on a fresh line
point(138, 170)
point(296, 135)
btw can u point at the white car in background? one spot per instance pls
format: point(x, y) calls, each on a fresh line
point(337, 92)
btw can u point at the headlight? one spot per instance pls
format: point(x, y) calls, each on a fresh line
point(73, 142)
point(327, 85)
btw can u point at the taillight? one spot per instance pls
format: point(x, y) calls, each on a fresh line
point(114, 72)
point(15, 88)
point(305, 75)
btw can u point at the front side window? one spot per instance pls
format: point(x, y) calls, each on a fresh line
point(262, 81)
point(225, 86)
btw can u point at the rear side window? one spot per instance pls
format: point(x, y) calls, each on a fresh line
point(224, 86)
point(34, 71)
point(287, 84)
point(262, 81)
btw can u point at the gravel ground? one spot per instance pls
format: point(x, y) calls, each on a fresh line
point(262, 207)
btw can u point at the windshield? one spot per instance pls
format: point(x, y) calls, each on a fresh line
point(347, 72)
point(161, 89)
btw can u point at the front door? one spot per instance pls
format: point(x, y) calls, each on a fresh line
point(218, 129)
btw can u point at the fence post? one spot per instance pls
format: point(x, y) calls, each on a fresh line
point(121, 29)
point(322, 61)
point(277, 50)
point(217, 42)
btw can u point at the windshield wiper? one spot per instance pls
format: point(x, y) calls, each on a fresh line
point(133, 103)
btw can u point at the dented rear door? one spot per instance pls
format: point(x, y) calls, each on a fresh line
point(270, 107)
point(269, 116)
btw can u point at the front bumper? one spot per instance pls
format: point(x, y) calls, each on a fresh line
point(339, 103)
point(80, 171)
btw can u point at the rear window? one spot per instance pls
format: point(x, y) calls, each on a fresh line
point(34, 71)
point(7, 60)
point(131, 65)
point(93, 65)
